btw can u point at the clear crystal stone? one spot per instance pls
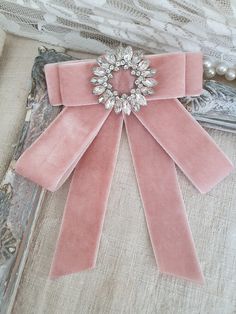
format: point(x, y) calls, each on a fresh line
point(149, 72)
point(134, 105)
point(120, 53)
point(101, 99)
point(141, 100)
point(99, 71)
point(149, 82)
point(126, 107)
point(98, 90)
point(107, 94)
point(128, 53)
point(109, 104)
point(118, 106)
point(110, 57)
point(147, 90)
point(137, 56)
point(143, 65)
point(94, 80)
point(98, 80)
point(103, 62)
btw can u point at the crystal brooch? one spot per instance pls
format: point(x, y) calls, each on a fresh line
point(127, 59)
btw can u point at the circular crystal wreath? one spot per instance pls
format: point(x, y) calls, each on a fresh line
point(127, 59)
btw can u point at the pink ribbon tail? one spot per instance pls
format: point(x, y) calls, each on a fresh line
point(164, 209)
point(82, 223)
point(186, 142)
point(53, 156)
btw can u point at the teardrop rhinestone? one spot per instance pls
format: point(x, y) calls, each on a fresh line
point(126, 107)
point(98, 80)
point(98, 90)
point(149, 82)
point(103, 62)
point(110, 103)
point(141, 100)
point(134, 105)
point(110, 57)
point(120, 53)
point(99, 71)
point(143, 65)
point(118, 105)
point(147, 90)
point(149, 73)
point(101, 99)
point(108, 93)
point(137, 56)
point(128, 53)
point(93, 80)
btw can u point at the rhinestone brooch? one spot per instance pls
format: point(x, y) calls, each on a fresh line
point(127, 59)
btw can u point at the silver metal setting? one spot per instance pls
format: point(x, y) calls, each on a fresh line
point(127, 59)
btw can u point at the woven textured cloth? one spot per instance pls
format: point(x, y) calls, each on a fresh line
point(115, 285)
point(156, 26)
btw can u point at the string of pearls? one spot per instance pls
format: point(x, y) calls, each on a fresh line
point(212, 68)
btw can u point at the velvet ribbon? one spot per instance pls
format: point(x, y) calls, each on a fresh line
point(85, 138)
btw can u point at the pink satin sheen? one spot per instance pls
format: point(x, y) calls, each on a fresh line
point(85, 136)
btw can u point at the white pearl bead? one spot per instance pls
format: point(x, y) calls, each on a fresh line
point(230, 75)
point(221, 69)
point(207, 64)
point(209, 73)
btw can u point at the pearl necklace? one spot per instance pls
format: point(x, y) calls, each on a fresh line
point(212, 68)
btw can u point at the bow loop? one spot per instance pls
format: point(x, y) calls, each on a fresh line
point(178, 75)
point(53, 156)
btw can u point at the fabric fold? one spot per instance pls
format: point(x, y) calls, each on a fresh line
point(186, 142)
point(52, 157)
point(163, 204)
point(81, 227)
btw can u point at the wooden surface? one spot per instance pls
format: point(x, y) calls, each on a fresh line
point(126, 278)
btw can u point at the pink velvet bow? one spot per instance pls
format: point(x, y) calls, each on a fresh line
point(85, 138)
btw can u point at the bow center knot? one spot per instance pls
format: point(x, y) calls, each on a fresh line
point(118, 71)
